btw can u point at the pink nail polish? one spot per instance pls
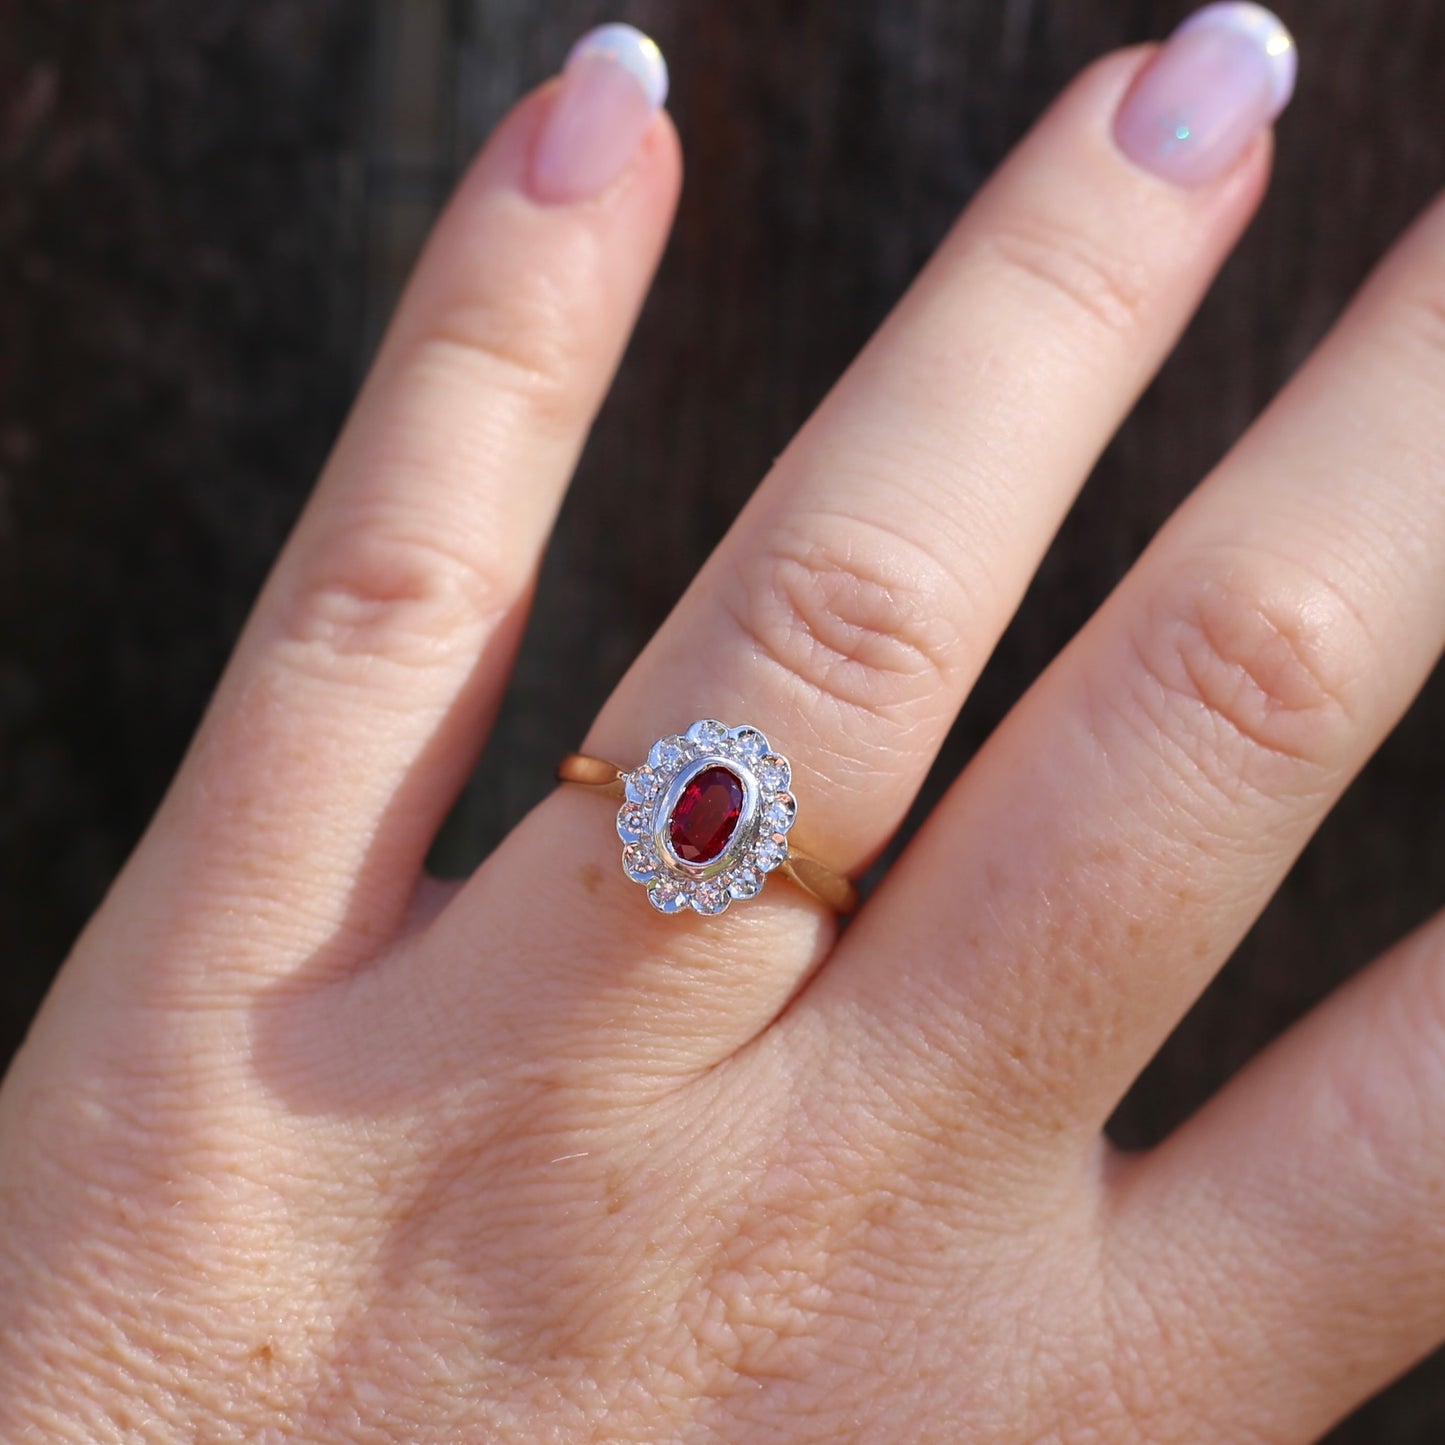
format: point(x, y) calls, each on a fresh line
point(614, 82)
point(1222, 77)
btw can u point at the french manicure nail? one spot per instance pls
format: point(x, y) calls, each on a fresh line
point(613, 83)
point(1221, 78)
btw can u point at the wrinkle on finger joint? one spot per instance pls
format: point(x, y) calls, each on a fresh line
point(1093, 281)
point(855, 615)
point(380, 596)
point(1251, 679)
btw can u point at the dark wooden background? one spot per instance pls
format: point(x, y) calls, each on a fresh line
point(205, 211)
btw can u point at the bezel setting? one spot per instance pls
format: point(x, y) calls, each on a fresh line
point(758, 844)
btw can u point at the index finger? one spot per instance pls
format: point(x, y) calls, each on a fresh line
point(367, 676)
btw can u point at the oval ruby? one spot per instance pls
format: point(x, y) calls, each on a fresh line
point(706, 815)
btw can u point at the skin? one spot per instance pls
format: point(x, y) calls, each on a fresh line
point(307, 1147)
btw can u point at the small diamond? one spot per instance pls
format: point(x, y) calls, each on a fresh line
point(666, 896)
point(640, 863)
point(667, 754)
point(774, 775)
point(722, 834)
point(708, 899)
point(707, 732)
point(749, 744)
point(781, 813)
point(632, 822)
point(642, 785)
point(746, 883)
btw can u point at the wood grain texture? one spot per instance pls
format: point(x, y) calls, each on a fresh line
point(206, 212)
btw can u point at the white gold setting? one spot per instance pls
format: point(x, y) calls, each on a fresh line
point(758, 843)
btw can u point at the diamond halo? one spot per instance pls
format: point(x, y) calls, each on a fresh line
point(706, 818)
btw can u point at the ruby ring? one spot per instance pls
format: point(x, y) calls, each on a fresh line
point(706, 819)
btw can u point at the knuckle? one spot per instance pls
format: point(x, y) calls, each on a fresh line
point(1091, 279)
point(523, 341)
point(853, 614)
point(381, 595)
point(1250, 675)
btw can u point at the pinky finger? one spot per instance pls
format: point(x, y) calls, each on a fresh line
point(1301, 1215)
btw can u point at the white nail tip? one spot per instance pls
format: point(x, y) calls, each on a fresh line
point(1263, 27)
point(628, 47)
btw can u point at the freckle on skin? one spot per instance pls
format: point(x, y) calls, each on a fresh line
point(591, 877)
point(616, 1191)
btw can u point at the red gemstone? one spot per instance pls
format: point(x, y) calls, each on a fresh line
point(706, 815)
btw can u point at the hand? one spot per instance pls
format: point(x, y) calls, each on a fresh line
point(307, 1147)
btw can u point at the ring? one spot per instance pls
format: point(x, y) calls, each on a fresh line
point(706, 819)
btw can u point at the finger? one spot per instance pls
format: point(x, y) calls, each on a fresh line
point(855, 600)
point(1105, 853)
point(376, 655)
point(1305, 1200)
point(862, 589)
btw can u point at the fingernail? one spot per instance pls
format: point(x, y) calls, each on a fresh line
point(1221, 78)
point(614, 82)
